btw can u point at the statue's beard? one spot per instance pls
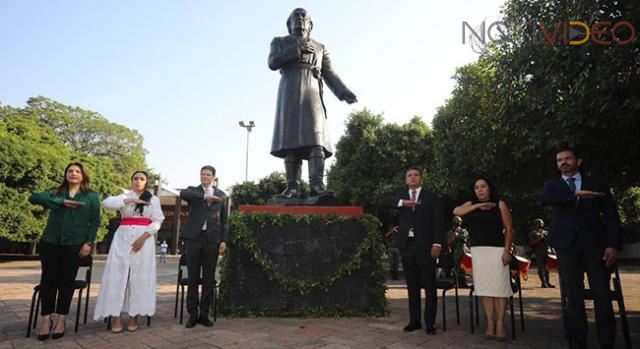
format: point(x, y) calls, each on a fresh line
point(300, 31)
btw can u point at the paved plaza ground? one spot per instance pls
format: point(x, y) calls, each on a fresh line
point(542, 319)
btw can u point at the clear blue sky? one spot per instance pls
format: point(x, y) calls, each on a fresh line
point(183, 73)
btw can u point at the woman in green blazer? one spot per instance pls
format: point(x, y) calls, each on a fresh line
point(73, 221)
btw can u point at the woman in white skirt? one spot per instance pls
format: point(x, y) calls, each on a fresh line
point(129, 278)
point(488, 221)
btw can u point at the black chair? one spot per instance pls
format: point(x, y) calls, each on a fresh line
point(516, 287)
point(615, 294)
point(447, 282)
point(182, 282)
point(79, 284)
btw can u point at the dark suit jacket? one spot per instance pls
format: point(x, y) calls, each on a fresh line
point(426, 219)
point(215, 215)
point(593, 219)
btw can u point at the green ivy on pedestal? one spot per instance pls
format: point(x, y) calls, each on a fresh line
point(243, 238)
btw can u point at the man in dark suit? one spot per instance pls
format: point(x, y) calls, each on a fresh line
point(204, 234)
point(419, 239)
point(585, 231)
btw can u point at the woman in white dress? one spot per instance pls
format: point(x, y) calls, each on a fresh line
point(488, 221)
point(129, 278)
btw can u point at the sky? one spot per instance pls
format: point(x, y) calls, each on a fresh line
point(184, 73)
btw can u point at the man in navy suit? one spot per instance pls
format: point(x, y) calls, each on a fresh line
point(585, 231)
point(204, 234)
point(420, 238)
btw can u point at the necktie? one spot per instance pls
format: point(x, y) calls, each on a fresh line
point(572, 188)
point(413, 195)
point(572, 184)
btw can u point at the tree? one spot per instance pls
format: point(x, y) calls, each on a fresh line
point(250, 193)
point(87, 132)
point(525, 97)
point(372, 157)
point(36, 144)
point(32, 158)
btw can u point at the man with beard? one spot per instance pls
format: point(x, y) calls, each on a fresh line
point(585, 232)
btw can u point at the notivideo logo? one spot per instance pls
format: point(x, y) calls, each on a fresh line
point(600, 32)
point(569, 32)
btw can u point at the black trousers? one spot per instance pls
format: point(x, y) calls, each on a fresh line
point(202, 257)
point(573, 263)
point(420, 271)
point(59, 269)
point(541, 265)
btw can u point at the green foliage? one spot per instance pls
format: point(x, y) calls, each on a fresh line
point(524, 98)
point(250, 193)
point(242, 237)
point(629, 207)
point(372, 157)
point(36, 144)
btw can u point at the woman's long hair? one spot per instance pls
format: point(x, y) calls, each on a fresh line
point(494, 196)
point(64, 186)
point(146, 195)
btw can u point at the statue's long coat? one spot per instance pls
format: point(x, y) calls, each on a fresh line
point(300, 120)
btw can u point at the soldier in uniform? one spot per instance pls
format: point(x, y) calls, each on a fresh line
point(538, 244)
point(457, 239)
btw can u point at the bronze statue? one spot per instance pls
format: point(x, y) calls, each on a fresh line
point(300, 130)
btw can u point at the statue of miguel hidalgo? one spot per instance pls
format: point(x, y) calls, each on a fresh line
point(300, 131)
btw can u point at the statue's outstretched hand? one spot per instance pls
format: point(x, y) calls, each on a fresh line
point(348, 97)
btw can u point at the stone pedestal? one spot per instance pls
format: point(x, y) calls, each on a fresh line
point(303, 261)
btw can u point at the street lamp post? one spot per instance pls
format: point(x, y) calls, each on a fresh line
point(249, 126)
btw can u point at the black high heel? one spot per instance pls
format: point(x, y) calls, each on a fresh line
point(42, 337)
point(59, 335)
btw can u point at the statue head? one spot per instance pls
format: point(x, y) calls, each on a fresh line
point(538, 223)
point(457, 221)
point(299, 21)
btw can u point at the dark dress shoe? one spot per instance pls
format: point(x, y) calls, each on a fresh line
point(57, 335)
point(45, 336)
point(550, 285)
point(412, 326)
point(192, 322)
point(543, 285)
point(204, 320)
point(431, 330)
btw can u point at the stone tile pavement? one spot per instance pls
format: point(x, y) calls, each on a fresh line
point(542, 316)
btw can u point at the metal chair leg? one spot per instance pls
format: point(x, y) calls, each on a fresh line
point(35, 315)
point(79, 309)
point(471, 309)
point(86, 303)
point(444, 312)
point(617, 288)
point(181, 303)
point(477, 311)
point(31, 319)
point(175, 310)
point(513, 318)
point(521, 311)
